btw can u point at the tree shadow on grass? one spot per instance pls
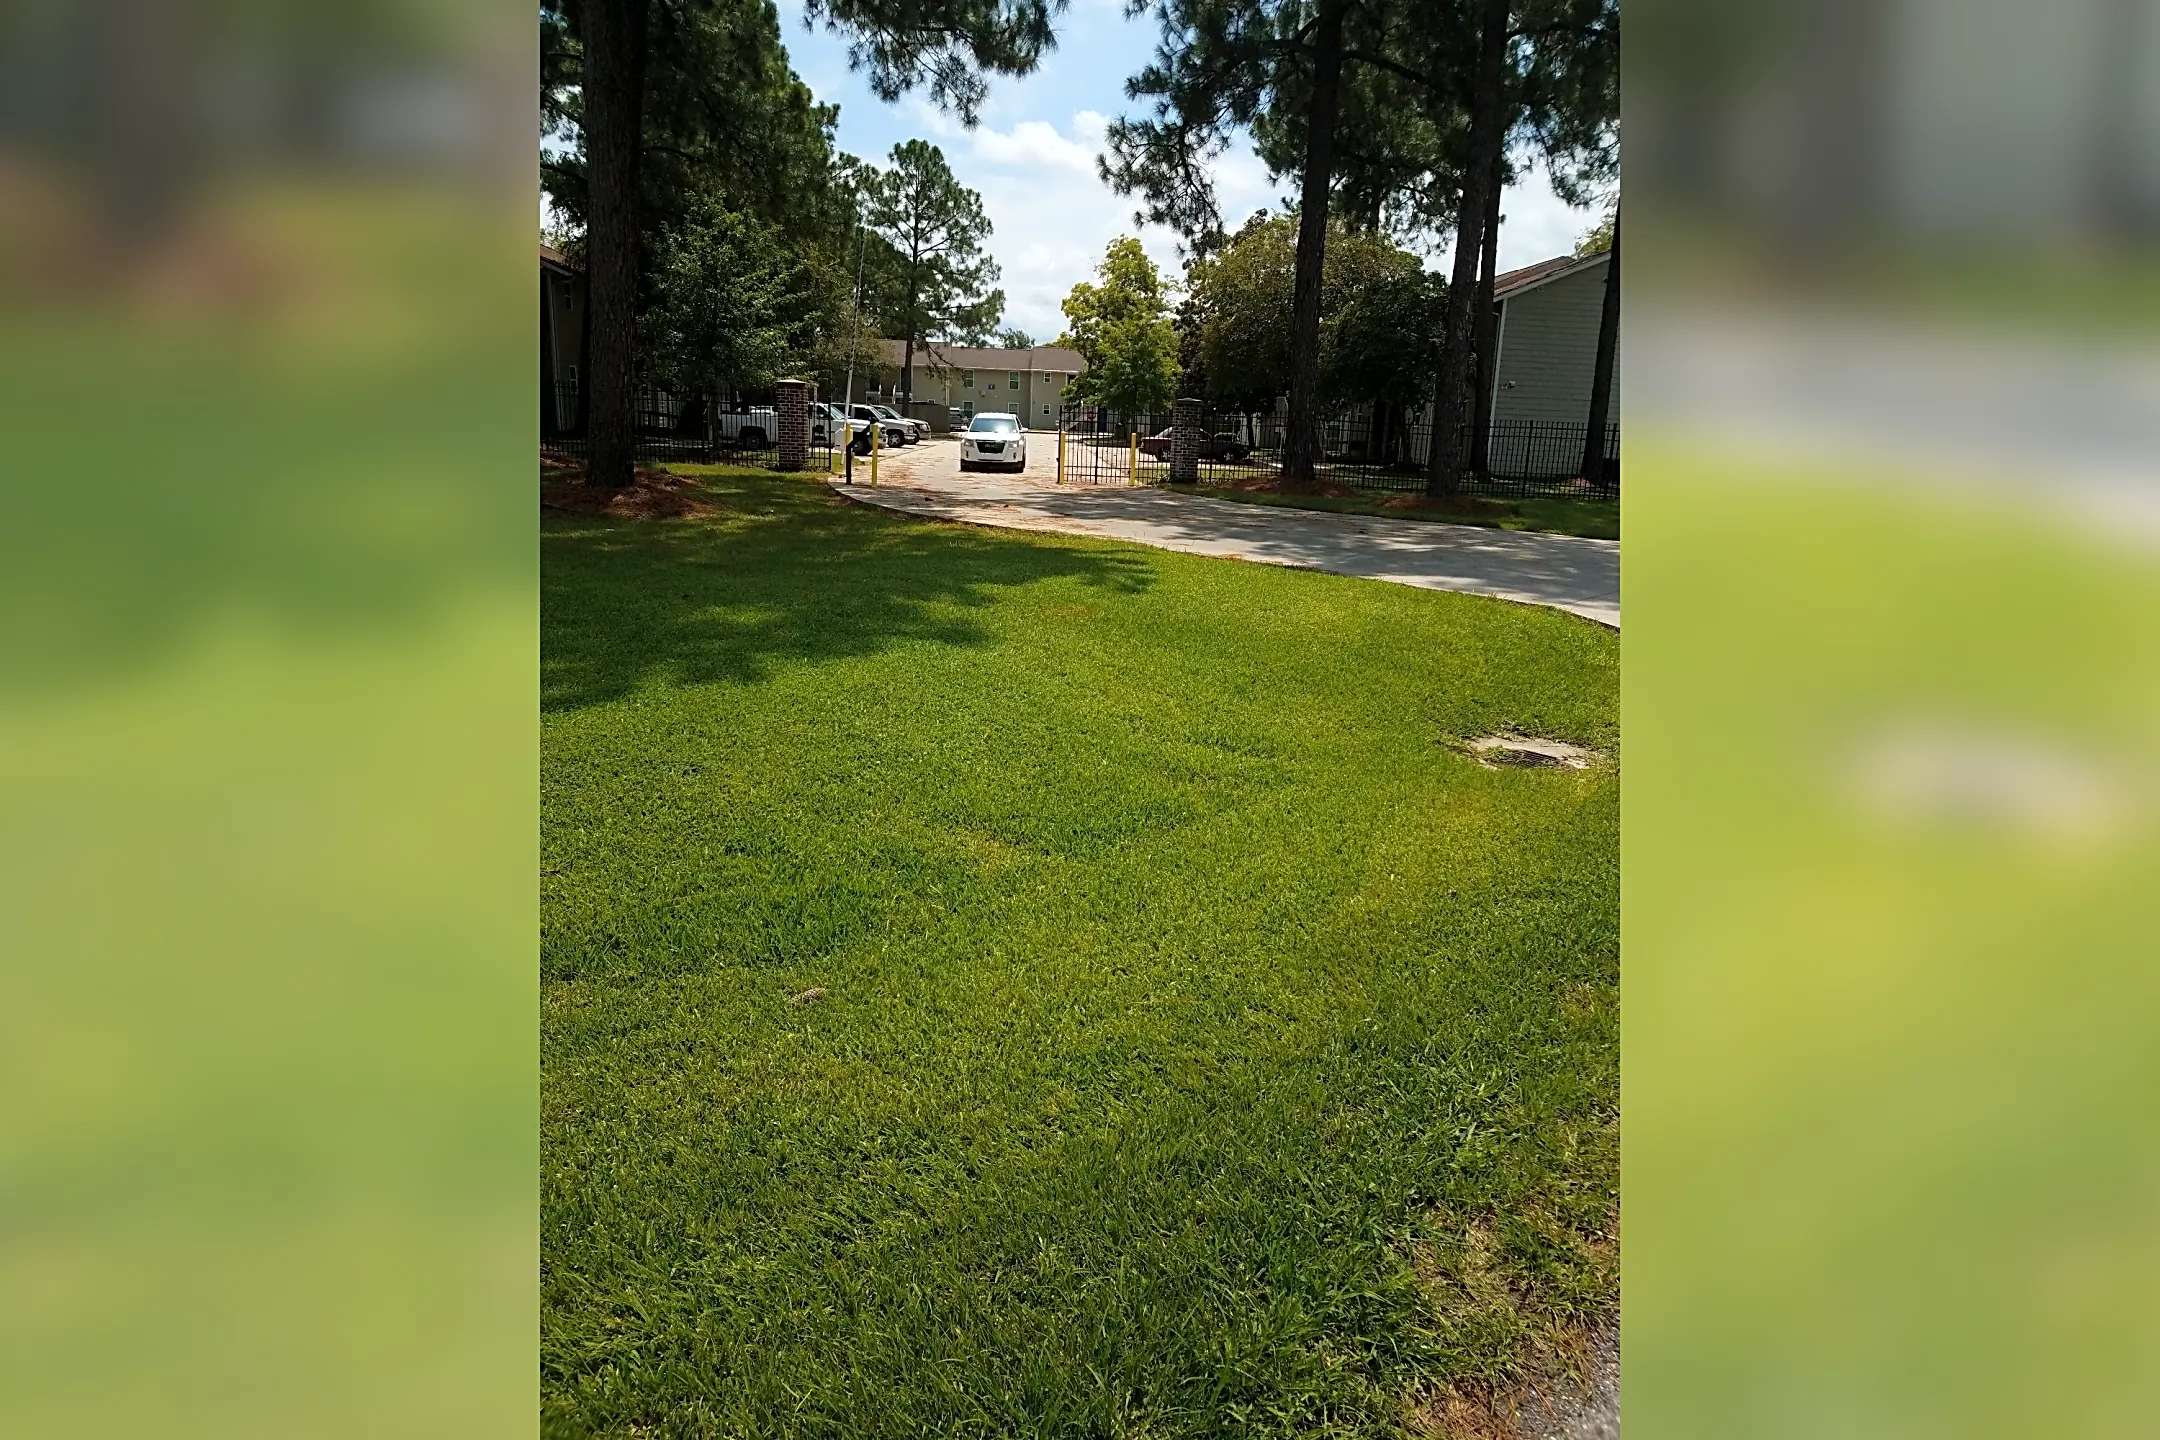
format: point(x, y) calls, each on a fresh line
point(786, 572)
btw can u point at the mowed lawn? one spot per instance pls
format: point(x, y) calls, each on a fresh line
point(1207, 1046)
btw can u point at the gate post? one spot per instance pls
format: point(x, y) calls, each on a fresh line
point(1186, 432)
point(793, 412)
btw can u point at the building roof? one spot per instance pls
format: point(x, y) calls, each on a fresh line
point(1514, 282)
point(938, 356)
point(549, 255)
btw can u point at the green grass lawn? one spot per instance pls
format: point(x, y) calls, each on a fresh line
point(1598, 519)
point(1207, 1046)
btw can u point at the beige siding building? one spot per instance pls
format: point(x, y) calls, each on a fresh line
point(1547, 350)
point(971, 379)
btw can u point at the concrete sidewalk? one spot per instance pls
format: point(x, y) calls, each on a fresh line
point(1565, 572)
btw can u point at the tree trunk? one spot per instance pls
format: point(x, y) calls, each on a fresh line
point(1488, 325)
point(1486, 132)
point(614, 85)
point(1301, 445)
point(1608, 347)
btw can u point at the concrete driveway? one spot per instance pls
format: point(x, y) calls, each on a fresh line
point(1565, 572)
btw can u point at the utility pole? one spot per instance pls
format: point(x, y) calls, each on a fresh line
point(862, 248)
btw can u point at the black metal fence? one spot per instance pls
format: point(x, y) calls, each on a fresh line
point(689, 429)
point(1367, 447)
point(1105, 447)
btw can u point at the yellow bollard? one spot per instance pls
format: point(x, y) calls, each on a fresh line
point(876, 434)
point(1061, 457)
point(1132, 467)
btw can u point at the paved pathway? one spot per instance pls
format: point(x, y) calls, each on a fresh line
point(1563, 571)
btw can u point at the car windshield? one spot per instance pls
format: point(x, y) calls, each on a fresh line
point(888, 412)
point(994, 425)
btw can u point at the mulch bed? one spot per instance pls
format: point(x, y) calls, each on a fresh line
point(1460, 505)
point(655, 493)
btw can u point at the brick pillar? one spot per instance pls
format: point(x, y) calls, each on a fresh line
point(794, 414)
point(1188, 422)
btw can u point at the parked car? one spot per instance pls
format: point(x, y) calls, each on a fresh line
point(893, 428)
point(995, 440)
point(917, 429)
point(959, 417)
point(1219, 446)
point(751, 429)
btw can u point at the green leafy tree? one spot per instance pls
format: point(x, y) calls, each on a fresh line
point(1222, 65)
point(1379, 319)
point(1126, 285)
point(723, 112)
point(1403, 118)
point(1014, 338)
point(1235, 307)
point(1120, 323)
point(1598, 238)
point(729, 304)
point(939, 284)
point(1138, 372)
point(950, 47)
point(599, 70)
point(1380, 325)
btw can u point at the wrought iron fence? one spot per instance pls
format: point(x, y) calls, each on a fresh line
point(687, 428)
point(1366, 447)
point(1378, 448)
point(1101, 446)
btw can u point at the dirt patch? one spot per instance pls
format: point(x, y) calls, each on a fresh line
point(654, 494)
point(1573, 1399)
point(1458, 507)
point(1449, 507)
point(1566, 1383)
point(1527, 752)
point(1269, 485)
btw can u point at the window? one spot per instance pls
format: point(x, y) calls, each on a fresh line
point(967, 379)
point(1013, 381)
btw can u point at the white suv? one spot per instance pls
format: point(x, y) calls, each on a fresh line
point(993, 439)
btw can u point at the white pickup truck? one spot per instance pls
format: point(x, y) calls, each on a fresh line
point(757, 428)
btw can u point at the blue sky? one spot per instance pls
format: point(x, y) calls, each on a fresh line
point(1033, 158)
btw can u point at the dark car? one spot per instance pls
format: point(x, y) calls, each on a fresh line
point(1220, 446)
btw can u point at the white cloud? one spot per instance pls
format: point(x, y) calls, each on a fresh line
point(1052, 215)
point(1242, 185)
point(932, 120)
point(1034, 143)
point(1536, 224)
